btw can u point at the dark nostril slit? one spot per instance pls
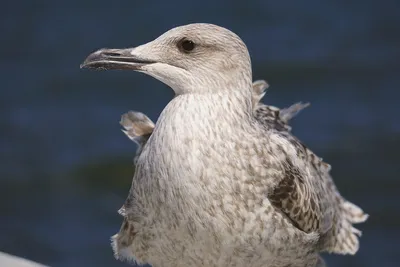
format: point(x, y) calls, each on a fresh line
point(111, 54)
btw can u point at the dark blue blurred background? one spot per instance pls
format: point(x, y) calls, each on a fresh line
point(66, 167)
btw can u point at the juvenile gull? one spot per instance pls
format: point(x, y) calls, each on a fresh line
point(214, 185)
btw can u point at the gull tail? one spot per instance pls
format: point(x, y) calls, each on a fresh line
point(354, 213)
point(345, 236)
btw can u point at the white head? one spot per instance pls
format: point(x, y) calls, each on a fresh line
point(195, 58)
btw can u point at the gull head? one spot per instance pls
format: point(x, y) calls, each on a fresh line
point(195, 58)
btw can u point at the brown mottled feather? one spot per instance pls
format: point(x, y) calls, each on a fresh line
point(294, 199)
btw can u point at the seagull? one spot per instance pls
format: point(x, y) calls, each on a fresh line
point(215, 185)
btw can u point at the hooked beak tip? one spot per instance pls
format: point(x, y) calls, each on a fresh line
point(115, 59)
point(92, 59)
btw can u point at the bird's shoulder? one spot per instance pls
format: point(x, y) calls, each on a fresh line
point(300, 186)
point(276, 118)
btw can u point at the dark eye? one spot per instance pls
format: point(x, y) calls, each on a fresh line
point(186, 45)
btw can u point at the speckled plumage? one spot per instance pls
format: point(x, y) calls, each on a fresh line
point(138, 127)
point(215, 185)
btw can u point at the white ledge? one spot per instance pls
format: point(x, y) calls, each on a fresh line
point(8, 260)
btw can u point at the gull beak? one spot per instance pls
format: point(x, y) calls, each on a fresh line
point(121, 59)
